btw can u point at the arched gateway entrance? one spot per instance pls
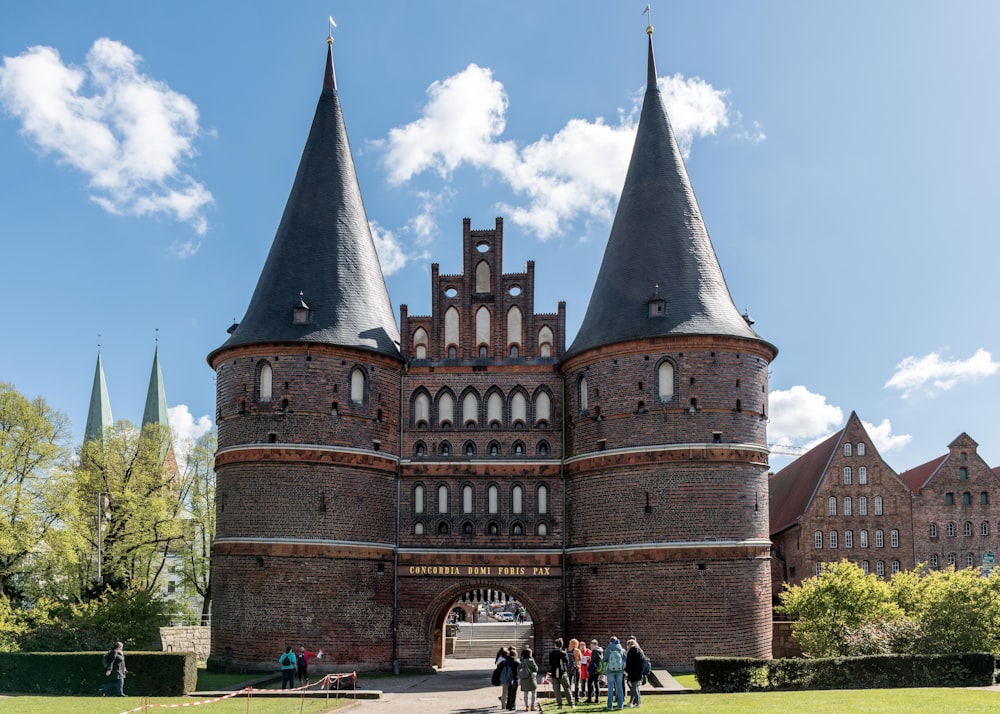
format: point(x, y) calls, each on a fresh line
point(491, 619)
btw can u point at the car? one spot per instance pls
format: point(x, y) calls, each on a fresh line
point(506, 617)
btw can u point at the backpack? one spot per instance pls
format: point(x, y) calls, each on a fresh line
point(285, 659)
point(495, 679)
point(108, 659)
point(647, 666)
point(506, 674)
point(523, 671)
point(614, 660)
point(595, 663)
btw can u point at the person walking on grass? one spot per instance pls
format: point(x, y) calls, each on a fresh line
point(114, 663)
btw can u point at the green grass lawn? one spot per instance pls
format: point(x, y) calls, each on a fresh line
point(854, 701)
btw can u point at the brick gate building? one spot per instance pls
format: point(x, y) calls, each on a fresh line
point(368, 477)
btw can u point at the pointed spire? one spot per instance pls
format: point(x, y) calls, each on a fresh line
point(323, 249)
point(99, 415)
point(660, 274)
point(156, 398)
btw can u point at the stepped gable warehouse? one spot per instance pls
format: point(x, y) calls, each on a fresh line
point(389, 473)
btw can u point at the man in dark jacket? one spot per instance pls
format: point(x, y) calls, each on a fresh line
point(559, 665)
point(116, 670)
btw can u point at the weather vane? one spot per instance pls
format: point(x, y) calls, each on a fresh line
point(649, 20)
point(329, 37)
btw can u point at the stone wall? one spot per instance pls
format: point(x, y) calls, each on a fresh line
point(187, 639)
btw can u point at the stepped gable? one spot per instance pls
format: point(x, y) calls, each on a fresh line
point(323, 257)
point(792, 489)
point(658, 249)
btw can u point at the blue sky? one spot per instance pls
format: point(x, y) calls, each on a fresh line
point(844, 156)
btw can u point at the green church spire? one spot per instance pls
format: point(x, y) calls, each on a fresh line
point(156, 398)
point(99, 415)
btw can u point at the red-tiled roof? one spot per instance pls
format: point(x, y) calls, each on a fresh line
point(917, 477)
point(792, 488)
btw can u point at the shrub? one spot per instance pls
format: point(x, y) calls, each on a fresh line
point(161, 674)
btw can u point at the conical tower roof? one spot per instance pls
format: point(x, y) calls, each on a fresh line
point(156, 398)
point(323, 265)
point(659, 250)
point(99, 415)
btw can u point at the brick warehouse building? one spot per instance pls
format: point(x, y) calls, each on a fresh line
point(386, 473)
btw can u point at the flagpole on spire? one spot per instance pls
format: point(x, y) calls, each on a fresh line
point(649, 20)
point(329, 36)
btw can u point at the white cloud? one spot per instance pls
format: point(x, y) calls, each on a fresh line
point(577, 172)
point(799, 417)
point(390, 253)
point(186, 431)
point(127, 132)
point(883, 437)
point(932, 374)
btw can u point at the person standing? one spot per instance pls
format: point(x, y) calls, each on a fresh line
point(584, 670)
point(593, 676)
point(527, 675)
point(288, 667)
point(512, 666)
point(634, 659)
point(302, 658)
point(115, 665)
point(614, 670)
point(574, 655)
point(559, 665)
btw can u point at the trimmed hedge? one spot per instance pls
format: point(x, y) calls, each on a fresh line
point(160, 674)
point(746, 674)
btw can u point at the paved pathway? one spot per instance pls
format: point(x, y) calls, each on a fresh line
point(463, 687)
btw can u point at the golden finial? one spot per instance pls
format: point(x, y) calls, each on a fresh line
point(649, 20)
point(329, 36)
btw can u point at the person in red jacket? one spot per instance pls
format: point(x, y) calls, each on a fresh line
point(302, 662)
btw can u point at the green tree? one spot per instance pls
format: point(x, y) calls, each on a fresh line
point(33, 445)
point(830, 606)
point(127, 498)
point(958, 610)
point(198, 532)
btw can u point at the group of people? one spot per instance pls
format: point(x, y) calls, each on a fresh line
point(576, 670)
point(293, 663)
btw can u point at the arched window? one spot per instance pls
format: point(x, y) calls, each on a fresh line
point(470, 410)
point(543, 529)
point(418, 528)
point(862, 505)
point(543, 448)
point(483, 327)
point(848, 506)
point(543, 500)
point(517, 500)
point(420, 343)
point(665, 380)
point(934, 560)
point(468, 529)
point(966, 498)
point(949, 499)
point(984, 528)
point(848, 539)
point(494, 409)
point(514, 336)
point(419, 449)
point(582, 392)
point(847, 474)
point(492, 529)
point(446, 409)
point(951, 558)
point(950, 530)
point(863, 475)
point(518, 448)
point(545, 342)
point(494, 448)
point(818, 540)
point(865, 567)
point(878, 505)
point(831, 506)
point(543, 408)
point(493, 500)
point(963, 474)
point(970, 560)
point(357, 385)
point(467, 499)
point(847, 449)
point(863, 539)
point(967, 529)
point(444, 449)
point(443, 528)
point(518, 409)
point(861, 448)
point(421, 409)
point(933, 532)
point(517, 529)
point(451, 332)
point(483, 282)
point(469, 449)
point(443, 498)
point(894, 538)
point(834, 541)
point(984, 498)
point(418, 498)
point(879, 539)
point(264, 381)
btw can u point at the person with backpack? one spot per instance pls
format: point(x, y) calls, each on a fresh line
point(614, 670)
point(527, 676)
point(559, 665)
point(593, 676)
point(288, 667)
point(635, 670)
point(114, 666)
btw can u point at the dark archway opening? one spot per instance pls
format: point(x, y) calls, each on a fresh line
point(476, 622)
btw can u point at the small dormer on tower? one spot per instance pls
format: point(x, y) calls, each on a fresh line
point(301, 313)
point(657, 304)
